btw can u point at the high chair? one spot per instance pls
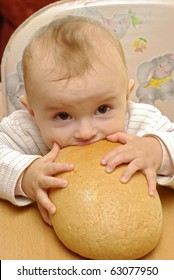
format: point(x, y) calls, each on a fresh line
point(145, 31)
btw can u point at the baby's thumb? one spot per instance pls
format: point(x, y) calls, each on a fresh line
point(51, 156)
point(119, 137)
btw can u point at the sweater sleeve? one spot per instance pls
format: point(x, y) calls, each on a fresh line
point(163, 130)
point(165, 175)
point(147, 120)
point(12, 165)
point(20, 145)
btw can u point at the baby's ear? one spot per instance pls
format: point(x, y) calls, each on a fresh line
point(131, 84)
point(24, 100)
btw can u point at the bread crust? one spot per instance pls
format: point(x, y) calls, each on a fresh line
point(97, 216)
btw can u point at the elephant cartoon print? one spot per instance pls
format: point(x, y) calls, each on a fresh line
point(15, 87)
point(155, 79)
point(119, 23)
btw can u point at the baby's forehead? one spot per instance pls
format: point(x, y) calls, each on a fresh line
point(71, 54)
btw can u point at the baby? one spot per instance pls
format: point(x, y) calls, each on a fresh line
point(77, 93)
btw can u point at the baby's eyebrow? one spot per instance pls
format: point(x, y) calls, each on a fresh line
point(55, 108)
point(59, 106)
point(107, 98)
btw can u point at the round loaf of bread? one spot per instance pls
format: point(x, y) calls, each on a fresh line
point(97, 216)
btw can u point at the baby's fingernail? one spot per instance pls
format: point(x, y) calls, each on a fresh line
point(152, 193)
point(103, 161)
point(123, 179)
point(64, 183)
point(108, 169)
point(52, 209)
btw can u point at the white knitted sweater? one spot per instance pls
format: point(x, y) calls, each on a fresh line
point(21, 143)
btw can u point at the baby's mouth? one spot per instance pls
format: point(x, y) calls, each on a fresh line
point(83, 143)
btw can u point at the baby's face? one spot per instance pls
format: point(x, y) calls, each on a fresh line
point(82, 110)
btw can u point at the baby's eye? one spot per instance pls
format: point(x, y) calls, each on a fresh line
point(102, 109)
point(63, 116)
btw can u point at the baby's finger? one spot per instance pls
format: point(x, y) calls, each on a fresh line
point(51, 156)
point(120, 137)
point(111, 157)
point(45, 202)
point(150, 174)
point(57, 167)
point(44, 214)
point(151, 180)
point(53, 182)
point(117, 156)
point(131, 169)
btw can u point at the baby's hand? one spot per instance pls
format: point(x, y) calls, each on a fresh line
point(140, 153)
point(39, 178)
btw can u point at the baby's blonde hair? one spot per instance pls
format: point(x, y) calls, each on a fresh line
point(73, 43)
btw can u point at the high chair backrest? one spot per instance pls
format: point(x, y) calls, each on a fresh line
point(145, 29)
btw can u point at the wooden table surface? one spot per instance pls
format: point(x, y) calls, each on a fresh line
point(24, 235)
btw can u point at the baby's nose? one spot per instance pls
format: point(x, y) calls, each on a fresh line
point(85, 131)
